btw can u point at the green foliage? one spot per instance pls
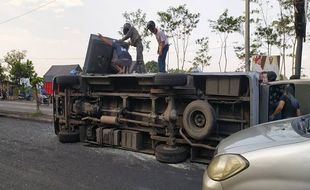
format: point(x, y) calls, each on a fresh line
point(2, 73)
point(176, 71)
point(14, 57)
point(17, 67)
point(36, 80)
point(138, 20)
point(178, 23)
point(21, 70)
point(151, 67)
point(202, 59)
point(270, 31)
point(38, 113)
point(240, 53)
point(224, 26)
point(267, 35)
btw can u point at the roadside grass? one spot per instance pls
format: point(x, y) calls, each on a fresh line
point(37, 114)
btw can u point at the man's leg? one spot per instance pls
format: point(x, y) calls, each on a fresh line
point(140, 62)
point(162, 60)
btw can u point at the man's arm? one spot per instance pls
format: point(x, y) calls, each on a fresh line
point(160, 48)
point(128, 35)
point(298, 112)
point(278, 109)
point(105, 40)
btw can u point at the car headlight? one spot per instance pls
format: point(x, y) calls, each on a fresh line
point(226, 165)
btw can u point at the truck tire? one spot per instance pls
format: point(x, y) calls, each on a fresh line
point(168, 79)
point(198, 119)
point(66, 137)
point(171, 154)
point(67, 80)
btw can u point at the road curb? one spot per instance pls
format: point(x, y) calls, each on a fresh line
point(25, 116)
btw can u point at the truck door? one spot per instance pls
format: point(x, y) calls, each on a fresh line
point(302, 91)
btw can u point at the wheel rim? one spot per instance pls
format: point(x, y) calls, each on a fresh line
point(197, 119)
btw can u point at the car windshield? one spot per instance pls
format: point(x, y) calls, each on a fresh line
point(302, 125)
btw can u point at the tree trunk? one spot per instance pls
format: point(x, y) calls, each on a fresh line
point(185, 45)
point(220, 60)
point(177, 51)
point(293, 56)
point(225, 52)
point(37, 98)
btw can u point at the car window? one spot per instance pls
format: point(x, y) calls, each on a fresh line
point(302, 125)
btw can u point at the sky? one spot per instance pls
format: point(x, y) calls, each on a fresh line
point(56, 32)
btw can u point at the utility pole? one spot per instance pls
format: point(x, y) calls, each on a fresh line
point(300, 8)
point(247, 35)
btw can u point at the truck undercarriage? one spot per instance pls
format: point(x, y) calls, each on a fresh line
point(174, 116)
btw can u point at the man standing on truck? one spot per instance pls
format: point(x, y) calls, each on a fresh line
point(163, 45)
point(135, 40)
point(288, 104)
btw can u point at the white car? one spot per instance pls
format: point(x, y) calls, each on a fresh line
point(271, 156)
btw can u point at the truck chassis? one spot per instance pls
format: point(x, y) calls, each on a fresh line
point(174, 116)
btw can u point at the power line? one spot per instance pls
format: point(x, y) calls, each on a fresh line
point(59, 58)
point(28, 12)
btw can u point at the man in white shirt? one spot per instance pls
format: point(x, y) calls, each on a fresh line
point(163, 45)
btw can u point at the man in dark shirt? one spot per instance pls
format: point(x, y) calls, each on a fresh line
point(288, 105)
point(131, 33)
point(121, 59)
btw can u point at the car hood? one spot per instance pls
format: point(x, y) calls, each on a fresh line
point(261, 136)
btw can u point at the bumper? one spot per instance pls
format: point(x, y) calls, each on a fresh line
point(209, 184)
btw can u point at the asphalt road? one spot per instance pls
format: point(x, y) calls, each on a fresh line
point(32, 158)
point(24, 107)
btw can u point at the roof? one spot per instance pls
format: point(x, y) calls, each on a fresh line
point(295, 81)
point(57, 70)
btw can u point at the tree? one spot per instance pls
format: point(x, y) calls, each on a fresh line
point(284, 25)
point(277, 32)
point(240, 53)
point(268, 36)
point(21, 70)
point(35, 81)
point(16, 68)
point(265, 33)
point(14, 56)
point(151, 67)
point(224, 26)
point(2, 73)
point(178, 23)
point(202, 59)
point(138, 20)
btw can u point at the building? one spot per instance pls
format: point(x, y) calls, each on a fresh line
point(58, 70)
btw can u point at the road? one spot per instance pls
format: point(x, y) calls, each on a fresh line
point(32, 158)
point(24, 107)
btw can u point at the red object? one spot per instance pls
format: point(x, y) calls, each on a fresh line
point(48, 86)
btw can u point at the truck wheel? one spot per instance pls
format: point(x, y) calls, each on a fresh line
point(67, 80)
point(66, 137)
point(198, 119)
point(171, 154)
point(168, 79)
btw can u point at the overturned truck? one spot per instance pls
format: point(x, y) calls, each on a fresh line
point(174, 116)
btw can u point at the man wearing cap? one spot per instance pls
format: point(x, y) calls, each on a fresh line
point(163, 45)
point(131, 33)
